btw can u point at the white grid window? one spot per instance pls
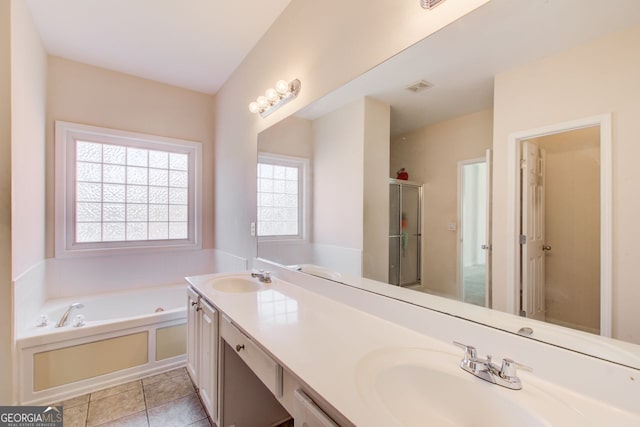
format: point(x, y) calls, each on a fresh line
point(280, 197)
point(124, 190)
point(125, 193)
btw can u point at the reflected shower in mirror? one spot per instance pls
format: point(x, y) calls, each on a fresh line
point(510, 145)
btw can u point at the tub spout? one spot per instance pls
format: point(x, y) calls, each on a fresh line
point(65, 316)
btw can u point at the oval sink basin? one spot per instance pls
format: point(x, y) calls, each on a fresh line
point(419, 387)
point(235, 284)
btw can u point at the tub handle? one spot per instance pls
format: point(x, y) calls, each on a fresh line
point(239, 347)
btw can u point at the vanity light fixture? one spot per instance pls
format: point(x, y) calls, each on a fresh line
point(430, 4)
point(275, 98)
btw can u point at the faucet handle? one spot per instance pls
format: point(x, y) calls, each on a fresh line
point(508, 368)
point(470, 352)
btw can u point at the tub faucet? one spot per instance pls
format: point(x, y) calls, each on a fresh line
point(504, 375)
point(263, 276)
point(65, 315)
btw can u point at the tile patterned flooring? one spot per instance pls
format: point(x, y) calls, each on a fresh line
point(167, 399)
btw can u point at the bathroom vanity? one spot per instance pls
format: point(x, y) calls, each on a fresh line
point(299, 346)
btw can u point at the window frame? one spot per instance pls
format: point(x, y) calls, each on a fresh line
point(66, 135)
point(302, 164)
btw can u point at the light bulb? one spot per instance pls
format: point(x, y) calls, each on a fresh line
point(253, 107)
point(272, 95)
point(282, 87)
point(263, 102)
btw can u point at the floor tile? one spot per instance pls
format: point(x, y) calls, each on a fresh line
point(75, 416)
point(115, 390)
point(163, 376)
point(138, 419)
point(115, 406)
point(161, 392)
point(181, 412)
point(80, 400)
point(202, 423)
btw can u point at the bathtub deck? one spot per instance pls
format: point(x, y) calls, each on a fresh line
point(168, 398)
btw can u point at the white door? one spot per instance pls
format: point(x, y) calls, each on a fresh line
point(532, 234)
point(487, 245)
point(193, 306)
point(473, 234)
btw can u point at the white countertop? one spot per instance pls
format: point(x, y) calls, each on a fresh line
point(323, 341)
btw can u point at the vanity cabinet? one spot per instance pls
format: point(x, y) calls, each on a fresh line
point(202, 349)
point(239, 382)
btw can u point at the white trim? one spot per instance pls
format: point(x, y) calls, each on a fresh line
point(606, 235)
point(66, 133)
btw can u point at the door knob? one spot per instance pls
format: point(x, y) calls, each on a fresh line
point(239, 347)
point(546, 247)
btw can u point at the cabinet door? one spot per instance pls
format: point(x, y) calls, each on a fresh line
point(208, 368)
point(193, 305)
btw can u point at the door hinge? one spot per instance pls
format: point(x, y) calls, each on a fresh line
point(523, 239)
point(523, 164)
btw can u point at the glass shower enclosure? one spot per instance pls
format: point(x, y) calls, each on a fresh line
point(405, 216)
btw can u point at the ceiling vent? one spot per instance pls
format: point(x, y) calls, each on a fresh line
point(419, 86)
point(430, 4)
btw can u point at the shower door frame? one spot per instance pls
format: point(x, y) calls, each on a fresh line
point(418, 235)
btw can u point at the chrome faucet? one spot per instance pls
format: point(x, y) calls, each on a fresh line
point(65, 315)
point(263, 276)
point(504, 376)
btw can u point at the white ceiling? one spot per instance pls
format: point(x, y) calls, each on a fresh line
point(194, 44)
point(462, 59)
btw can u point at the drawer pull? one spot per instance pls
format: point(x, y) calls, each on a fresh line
point(239, 347)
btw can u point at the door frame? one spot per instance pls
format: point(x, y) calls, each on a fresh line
point(459, 243)
point(513, 211)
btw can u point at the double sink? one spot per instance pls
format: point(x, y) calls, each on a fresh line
point(415, 386)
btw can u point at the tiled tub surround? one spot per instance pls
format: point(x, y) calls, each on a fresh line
point(124, 338)
point(166, 399)
point(319, 340)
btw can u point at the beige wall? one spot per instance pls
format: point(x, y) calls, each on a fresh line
point(375, 244)
point(90, 95)
point(6, 314)
point(324, 44)
point(171, 341)
point(291, 137)
point(338, 153)
point(22, 113)
point(66, 365)
point(28, 101)
point(595, 78)
point(430, 156)
point(572, 228)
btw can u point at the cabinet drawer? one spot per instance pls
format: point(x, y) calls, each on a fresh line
point(265, 368)
point(308, 414)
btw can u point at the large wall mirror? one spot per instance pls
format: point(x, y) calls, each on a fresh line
point(487, 172)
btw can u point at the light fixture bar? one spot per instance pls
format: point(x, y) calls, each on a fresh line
point(430, 4)
point(275, 98)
